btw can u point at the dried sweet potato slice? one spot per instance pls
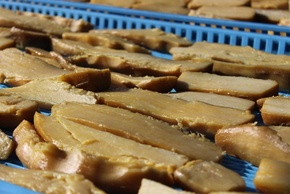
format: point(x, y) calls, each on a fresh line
point(216, 99)
point(123, 175)
point(138, 64)
point(239, 13)
point(206, 177)
point(7, 146)
point(66, 134)
point(239, 61)
point(194, 4)
point(10, 19)
point(275, 111)
point(105, 40)
point(71, 47)
point(150, 186)
point(141, 128)
point(74, 25)
point(159, 84)
point(242, 87)
point(155, 39)
point(273, 176)
point(252, 143)
point(283, 132)
point(49, 92)
point(18, 72)
point(194, 116)
point(14, 109)
point(6, 43)
point(48, 181)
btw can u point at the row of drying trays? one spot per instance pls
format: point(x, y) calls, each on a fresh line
point(193, 28)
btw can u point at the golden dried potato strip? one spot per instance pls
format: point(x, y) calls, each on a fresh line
point(159, 84)
point(141, 128)
point(34, 51)
point(10, 19)
point(270, 4)
point(164, 2)
point(253, 143)
point(240, 61)
point(7, 146)
point(48, 181)
point(126, 173)
point(242, 87)
point(207, 176)
point(49, 92)
point(5, 32)
point(72, 47)
point(283, 132)
point(239, 13)
point(138, 64)
point(162, 7)
point(272, 16)
point(101, 143)
point(24, 38)
point(273, 176)
point(106, 40)
point(194, 4)
point(74, 25)
point(150, 186)
point(18, 68)
point(193, 116)
point(275, 111)
point(154, 39)
point(216, 99)
point(124, 4)
point(14, 109)
point(6, 43)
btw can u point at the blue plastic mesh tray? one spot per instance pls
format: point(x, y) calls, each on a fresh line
point(272, 44)
point(268, 43)
point(215, 23)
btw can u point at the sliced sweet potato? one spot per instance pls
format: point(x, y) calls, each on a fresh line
point(253, 143)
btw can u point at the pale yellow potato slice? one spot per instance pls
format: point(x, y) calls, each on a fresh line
point(6, 43)
point(207, 176)
point(243, 87)
point(273, 176)
point(194, 116)
point(101, 143)
point(194, 4)
point(10, 19)
point(49, 92)
point(125, 172)
point(48, 181)
point(253, 143)
point(239, 61)
point(18, 68)
point(270, 4)
point(158, 84)
point(155, 39)
point(7, 146)
point(105, 40)
point(239, 13)
point(14, 109)
point(283, 132)
point(150, 186)
point(275, 111)
point(216, 99)
point(140, 128)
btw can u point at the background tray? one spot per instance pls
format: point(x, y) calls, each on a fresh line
point(198, 21)
point(268, 43)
